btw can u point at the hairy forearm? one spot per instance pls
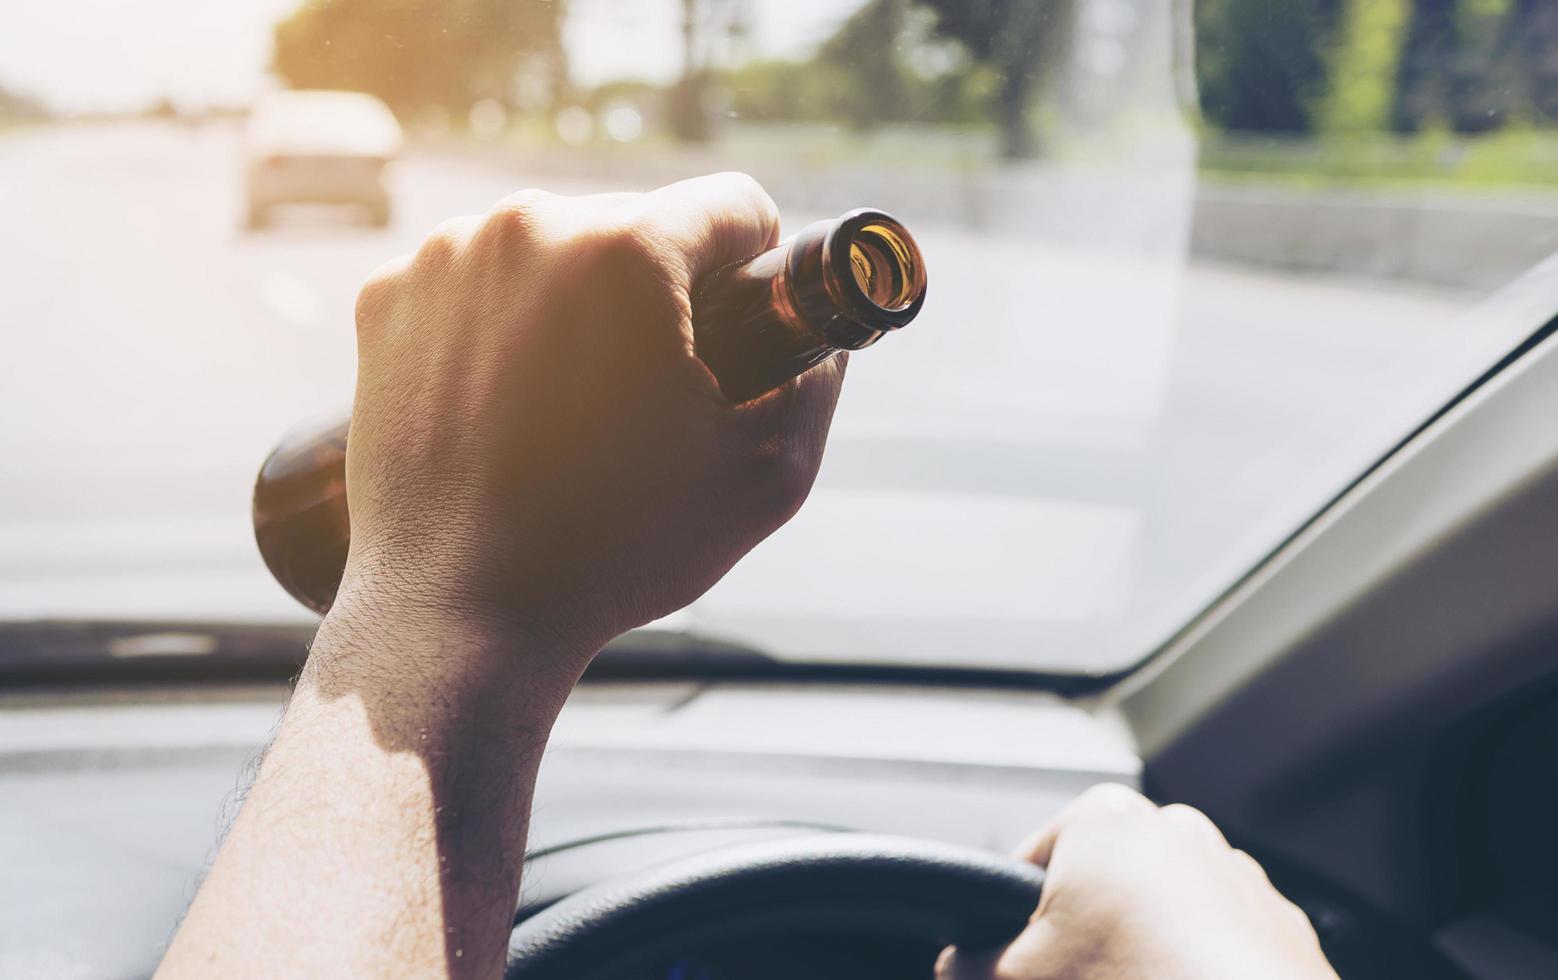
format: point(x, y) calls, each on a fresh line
point(538, 462)
point(386, 829)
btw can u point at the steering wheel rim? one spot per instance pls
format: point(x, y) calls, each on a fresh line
point(846, 882)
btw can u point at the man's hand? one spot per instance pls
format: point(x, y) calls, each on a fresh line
point(1133, 891)
point(534, 441)
point(537, 463)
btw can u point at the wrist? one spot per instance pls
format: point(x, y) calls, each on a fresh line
point(387, 642)
point(438, 599)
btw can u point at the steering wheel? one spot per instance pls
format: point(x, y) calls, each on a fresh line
point(852, 883)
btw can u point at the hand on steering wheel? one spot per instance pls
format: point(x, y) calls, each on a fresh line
point(1135, 890)
point(859, 883)
point(1131, 890)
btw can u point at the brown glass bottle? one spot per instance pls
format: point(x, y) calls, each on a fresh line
point(837, 285)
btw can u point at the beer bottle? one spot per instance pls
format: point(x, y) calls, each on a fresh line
point(837, 285)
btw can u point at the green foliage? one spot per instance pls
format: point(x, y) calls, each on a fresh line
point(765, 90)
point(1483, 84)
point(1477, 65)
point(1260, 64)
point(413, 53)
point(896, 61)
point(864, 56)
point(818, 92)
point(1363, 66)
point(1015, 39)
point(883, 66)
point(1510, 157)
point(1270, 66)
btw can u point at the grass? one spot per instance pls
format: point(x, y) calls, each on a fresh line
point(806, 144)
point(1508, 159)
point(1512, 158)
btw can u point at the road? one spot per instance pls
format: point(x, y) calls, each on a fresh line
point(1065, 457)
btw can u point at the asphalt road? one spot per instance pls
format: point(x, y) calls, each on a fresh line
point(1067, 455)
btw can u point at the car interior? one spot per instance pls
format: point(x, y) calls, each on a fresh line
point(1369, 708)
point(1370, 712)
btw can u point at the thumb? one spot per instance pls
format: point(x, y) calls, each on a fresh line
point(713, 221)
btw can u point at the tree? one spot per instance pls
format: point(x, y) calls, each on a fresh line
point(703, 23)
point(1533, 35)
point(840, 83)
point(1019, 39)
point(1364, 66)
point(1475, 66)
point(864, 54)
point(1484, 83)
point(413, 53)
point(1261, 64)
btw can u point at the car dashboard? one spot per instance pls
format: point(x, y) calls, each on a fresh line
point(117, 798)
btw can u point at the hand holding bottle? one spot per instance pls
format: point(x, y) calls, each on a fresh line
point(755, 323)
point(570, 466)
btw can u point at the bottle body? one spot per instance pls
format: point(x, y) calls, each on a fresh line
point(744, 333)
point(301, 521)
point(837, 285)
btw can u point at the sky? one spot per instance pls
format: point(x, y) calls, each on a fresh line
point(85, 55)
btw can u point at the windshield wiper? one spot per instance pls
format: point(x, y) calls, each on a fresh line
point(71, 653)
point(106, 651)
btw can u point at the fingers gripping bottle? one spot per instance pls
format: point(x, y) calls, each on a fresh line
point(838, 285)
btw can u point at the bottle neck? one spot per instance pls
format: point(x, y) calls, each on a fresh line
point(823, 289)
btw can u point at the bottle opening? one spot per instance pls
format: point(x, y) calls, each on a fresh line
point(887, 265)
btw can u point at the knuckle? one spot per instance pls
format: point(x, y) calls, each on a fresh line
point(518, 218)
point(752, 189)
point(529, 199)
point(1191, 820)
point(1248, 862)
point(631, 239)
point(628, 251)
point(741, 182)
point(444, 243)
point(1302, 923)
point(1185, 812)
point(752, 202)
point(1267, 889)
point(1114, 799)
point(378, 295)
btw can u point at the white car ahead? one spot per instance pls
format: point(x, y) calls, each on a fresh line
point(319, 147)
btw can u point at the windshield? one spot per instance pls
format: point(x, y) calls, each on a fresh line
point(1191, 272)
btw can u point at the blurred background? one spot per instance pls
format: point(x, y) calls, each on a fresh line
point(1193, 267)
